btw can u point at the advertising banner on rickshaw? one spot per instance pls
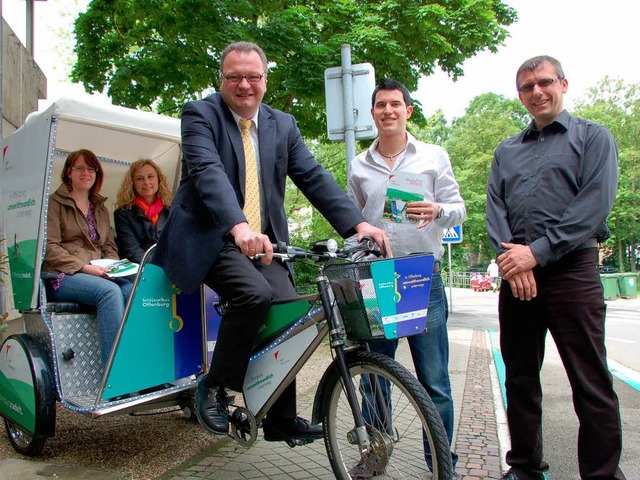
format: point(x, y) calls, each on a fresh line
point(24, 169)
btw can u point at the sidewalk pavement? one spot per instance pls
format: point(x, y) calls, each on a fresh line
point(481, 435)
point(474, 389)
point(479, 415)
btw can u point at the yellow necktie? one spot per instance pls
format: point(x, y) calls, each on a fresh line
point(251, 208)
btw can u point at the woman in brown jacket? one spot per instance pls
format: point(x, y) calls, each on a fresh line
point(79, 231)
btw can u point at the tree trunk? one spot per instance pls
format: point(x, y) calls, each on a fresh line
point(633, 253)
point(620, 255)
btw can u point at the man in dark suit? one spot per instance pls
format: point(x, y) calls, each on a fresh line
point(208, 237)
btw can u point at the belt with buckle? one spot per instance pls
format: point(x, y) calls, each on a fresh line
point(436, 266)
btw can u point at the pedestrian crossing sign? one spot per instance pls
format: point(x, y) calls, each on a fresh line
point(452, 235)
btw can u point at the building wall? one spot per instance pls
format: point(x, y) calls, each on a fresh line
point(23, 81)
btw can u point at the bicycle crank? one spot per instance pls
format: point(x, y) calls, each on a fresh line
point(243, 427)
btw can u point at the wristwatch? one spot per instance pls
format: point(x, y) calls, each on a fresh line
point(440, 212)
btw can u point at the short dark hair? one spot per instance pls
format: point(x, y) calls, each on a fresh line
point(535, 62)
point(244, 47)
point(391, 84)
point(91, 159)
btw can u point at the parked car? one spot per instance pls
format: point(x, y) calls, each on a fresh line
point(607, 269)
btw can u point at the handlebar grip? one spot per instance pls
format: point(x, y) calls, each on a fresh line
point(324, 246)
point(280, 247)
point(367, 243)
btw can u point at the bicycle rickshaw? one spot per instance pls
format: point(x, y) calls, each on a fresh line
point(372, 409)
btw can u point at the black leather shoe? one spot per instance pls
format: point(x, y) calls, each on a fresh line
point(279, 429)
point(511, 475)
point(360, 471)
point(211, 409)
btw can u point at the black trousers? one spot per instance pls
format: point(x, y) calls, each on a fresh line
point(571, 307)
point(248, 287)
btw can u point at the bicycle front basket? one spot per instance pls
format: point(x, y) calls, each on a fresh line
point(353, 287)
point(383, 298)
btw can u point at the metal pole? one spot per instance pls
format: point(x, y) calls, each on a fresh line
point(450, 281)
point(1, 79)
point(347, 91)
point(29, 32)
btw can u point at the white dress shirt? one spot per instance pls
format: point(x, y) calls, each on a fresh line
point(367, 188)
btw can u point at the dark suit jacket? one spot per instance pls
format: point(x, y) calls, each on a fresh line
point(135, 233)
point(209, 199)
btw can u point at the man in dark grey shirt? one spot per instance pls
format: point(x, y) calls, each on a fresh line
point(549, 193)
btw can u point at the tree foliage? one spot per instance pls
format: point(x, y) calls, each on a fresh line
point(154, 53)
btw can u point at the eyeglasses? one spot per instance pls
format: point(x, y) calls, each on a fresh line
point(85, 169)
point(544, 83)
point(235, 78)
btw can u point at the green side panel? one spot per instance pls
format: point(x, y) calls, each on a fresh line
point(281, 316)
point(22, 258)
point(145, 354)
point(17, 395)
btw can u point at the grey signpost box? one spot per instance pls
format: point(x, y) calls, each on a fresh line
point(348, 90)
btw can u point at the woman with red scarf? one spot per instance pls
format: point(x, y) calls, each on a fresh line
point(142, 209)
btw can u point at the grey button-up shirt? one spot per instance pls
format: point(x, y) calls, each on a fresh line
point(552, 189)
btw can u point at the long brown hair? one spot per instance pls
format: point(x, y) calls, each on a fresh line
point(92, 161)
point(127, 194)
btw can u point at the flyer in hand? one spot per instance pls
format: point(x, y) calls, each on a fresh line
point(402, 188)
point(117, 268)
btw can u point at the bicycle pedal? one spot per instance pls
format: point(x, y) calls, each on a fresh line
point(298, 442)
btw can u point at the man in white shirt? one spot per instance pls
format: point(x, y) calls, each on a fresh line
point(493, 272)
point(395, 150)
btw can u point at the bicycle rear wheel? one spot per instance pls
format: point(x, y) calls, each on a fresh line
point(401, 421)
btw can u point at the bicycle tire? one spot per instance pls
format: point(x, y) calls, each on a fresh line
point(415, 420)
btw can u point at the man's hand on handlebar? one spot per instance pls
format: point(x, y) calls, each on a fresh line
point(365, 229)
point(252, 243)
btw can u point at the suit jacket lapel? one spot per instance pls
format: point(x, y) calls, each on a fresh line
point(267, 145)
point(233, 132)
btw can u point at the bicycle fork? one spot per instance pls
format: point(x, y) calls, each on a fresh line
point(336, 337)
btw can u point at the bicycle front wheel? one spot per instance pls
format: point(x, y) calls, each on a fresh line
point(402, 422)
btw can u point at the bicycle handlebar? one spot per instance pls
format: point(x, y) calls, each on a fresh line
point(322, 250)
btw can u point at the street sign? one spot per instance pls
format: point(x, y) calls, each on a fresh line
point(449, 236)
point(452, 235)
point(363, 81)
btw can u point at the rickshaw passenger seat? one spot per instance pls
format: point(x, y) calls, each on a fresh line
point(69, 307)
